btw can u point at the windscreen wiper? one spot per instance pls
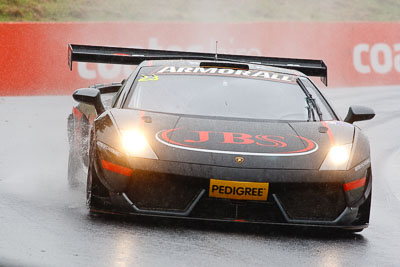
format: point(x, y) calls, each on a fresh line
point(311, 103)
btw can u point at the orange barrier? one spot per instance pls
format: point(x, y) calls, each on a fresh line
point(33, 59)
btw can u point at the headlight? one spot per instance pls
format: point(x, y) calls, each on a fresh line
point(337, 158)
point(136, 145)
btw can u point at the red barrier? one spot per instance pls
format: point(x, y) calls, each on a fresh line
point(33, 58)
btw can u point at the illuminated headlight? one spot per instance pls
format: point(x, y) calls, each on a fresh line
point(136, 145)
point(337, 158)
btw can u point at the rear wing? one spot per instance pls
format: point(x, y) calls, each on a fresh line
point(135, 56)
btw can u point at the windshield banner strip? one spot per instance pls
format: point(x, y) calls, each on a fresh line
point(255, 74)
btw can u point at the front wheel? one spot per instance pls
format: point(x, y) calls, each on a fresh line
point(96, 193)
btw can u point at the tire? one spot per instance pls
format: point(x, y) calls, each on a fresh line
point(97, 194)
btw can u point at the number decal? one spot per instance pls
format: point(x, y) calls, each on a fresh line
point(148, 78)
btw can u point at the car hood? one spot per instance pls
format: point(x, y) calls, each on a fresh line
point(237, 143)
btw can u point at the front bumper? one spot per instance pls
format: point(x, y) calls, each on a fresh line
point(300, 197)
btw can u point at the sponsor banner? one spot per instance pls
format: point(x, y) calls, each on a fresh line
point(255, 74)
point(238, 190)
point(33, 58)
point(255, 145)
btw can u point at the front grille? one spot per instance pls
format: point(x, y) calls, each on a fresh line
point(167, 192)
point(311, 201)
point(157, 191)
point(302, 201)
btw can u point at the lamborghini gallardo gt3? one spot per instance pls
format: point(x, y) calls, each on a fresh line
point(219, 137)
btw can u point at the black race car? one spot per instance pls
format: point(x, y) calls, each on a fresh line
point(219, 137)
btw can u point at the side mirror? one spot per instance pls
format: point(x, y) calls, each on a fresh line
point(359, 113)
point(89, 96)
point(109, 88)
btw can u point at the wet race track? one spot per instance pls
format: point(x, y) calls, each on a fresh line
point(44, 223)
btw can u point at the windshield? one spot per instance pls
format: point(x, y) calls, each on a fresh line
point(241, 96)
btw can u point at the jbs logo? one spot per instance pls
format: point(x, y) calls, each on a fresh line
point(238, 138)
point(237, 143)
